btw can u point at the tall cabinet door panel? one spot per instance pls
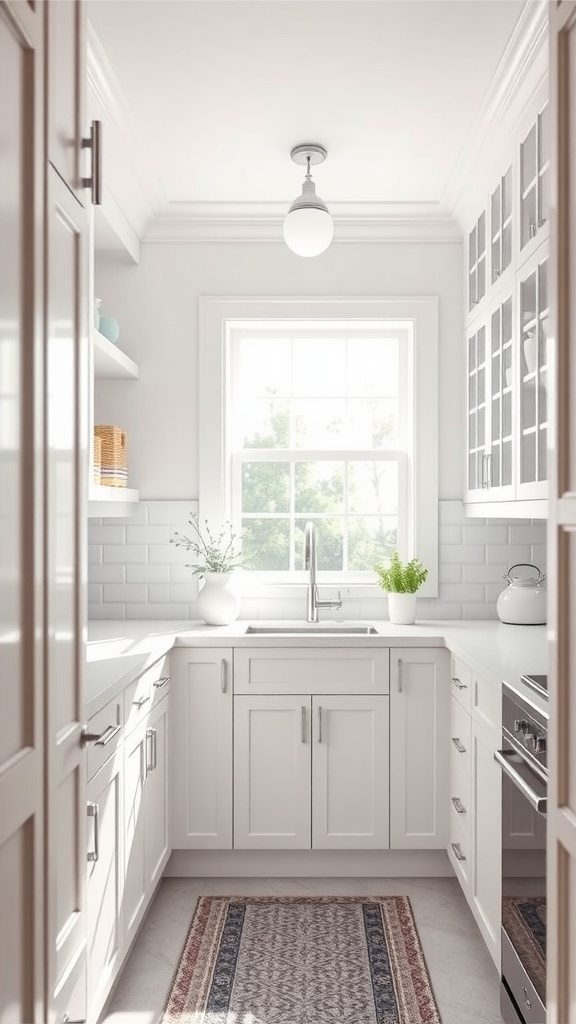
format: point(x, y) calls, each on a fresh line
point(105, 868)
point(66, 92)
point(135, 758)
point(419, 764)
point(350, 772)
point(201, 748)
point(156, 824)
point(486, 872)
point(21, 510)
point(272, 792)
point(66, 351)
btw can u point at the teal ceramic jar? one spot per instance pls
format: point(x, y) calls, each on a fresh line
point(110, 328)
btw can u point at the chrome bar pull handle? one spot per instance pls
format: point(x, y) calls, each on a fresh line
point(223, 675)
point(92, 810)
point(99, 739)
point(303, 723)
point(319, 724)
point(458, 684)
point(150, 766)
point(155, 731)
point(457, 851)
point(399, 675)
point(67, 1019)
point(459, 745)
point(162, 682)
point(458, 805)
point(94, 143)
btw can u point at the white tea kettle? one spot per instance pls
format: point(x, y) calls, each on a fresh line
point(523, 602)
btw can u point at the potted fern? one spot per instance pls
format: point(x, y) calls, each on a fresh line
point(401, 580)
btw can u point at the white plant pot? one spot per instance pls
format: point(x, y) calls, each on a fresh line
point(218, 603)
point(402, 609)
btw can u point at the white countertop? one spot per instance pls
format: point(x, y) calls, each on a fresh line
point(118, 652)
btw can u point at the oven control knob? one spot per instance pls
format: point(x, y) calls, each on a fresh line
point(519, 724)
point(539, 744)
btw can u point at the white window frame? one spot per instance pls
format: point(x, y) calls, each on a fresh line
point(215, 458)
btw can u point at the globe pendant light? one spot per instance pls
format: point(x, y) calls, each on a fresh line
point(308, 226)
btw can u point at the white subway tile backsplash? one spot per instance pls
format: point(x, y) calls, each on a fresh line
point(116, 592)
point(147, 573)
point(135, 573)
point(126, 553)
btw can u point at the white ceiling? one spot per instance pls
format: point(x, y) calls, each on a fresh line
point(221, 90)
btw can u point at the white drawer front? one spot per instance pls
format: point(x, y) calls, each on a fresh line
point(487, 706)
point(311, 670)
point(461, 682)
point(141, 695)
point(107, 725)
point(459, 850)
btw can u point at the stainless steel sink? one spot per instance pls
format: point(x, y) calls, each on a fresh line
point(313, 629)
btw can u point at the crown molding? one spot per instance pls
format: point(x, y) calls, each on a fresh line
point(262, 222)
point(121, 134)
point(518, 60)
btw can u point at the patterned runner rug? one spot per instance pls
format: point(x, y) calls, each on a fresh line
point(302, 960)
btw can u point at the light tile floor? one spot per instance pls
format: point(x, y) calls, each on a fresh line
point(464, 979)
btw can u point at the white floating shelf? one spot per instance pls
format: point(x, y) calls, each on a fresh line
point(112, 501)
point(110, 362)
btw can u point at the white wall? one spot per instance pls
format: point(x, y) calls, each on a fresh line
point(156, 304)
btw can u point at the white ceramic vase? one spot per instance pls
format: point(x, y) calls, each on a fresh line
point(402, 608)
point(218, 602)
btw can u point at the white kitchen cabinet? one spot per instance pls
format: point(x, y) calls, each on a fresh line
point(311, 670)
point(310, 772)
point(350, 772)
point(105, 869)
point(477, 263)
point(534, 185)
point(146, 846)
point(486, 885)
point(531, 480)
point(272, 772)
point(201, 740)
point(419, 757)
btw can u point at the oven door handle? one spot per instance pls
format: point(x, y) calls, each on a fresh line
point(539, 803)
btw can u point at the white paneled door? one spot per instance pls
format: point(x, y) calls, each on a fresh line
point(21, 511)
point(561, 874)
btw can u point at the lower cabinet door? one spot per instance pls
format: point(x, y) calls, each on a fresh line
point(350, 766)
point(272, 786)
point(135, 753)
point(419, 758)
point(156, 849)
point(486, 888)
point(105, 870)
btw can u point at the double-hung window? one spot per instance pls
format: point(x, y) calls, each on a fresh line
point(321, 411)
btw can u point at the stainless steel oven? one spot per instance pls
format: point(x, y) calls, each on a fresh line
point(524, 762)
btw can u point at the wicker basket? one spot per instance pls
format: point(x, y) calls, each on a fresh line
point(113, 468)
point(97, 458)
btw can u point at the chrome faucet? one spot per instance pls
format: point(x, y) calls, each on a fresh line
point(312, 602)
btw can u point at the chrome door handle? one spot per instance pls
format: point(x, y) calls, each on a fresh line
point(539, 803)
point(140, 703)
point(319, 724)
point(458, 805)
point(99, 739)
point(399, 675)
point(489, 470)
point(457, 851)
point(459, 746)
point(94, 181)
point(223, 675)
point(162, 682)
point(66, 1019)
point(303, 724)
point(155, 731)
point(93, 811)
point(150, 766)
point(458, 684)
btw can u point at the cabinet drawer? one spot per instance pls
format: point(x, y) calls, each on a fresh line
point(107, 724)
point(459, 850)
point(145, 691)
point(487, 706)
point(461, 682)
point(311, 670)
point(460, 742)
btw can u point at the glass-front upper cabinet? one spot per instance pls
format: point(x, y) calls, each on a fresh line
point(532, 427)
point(534, 182)
point(477, 262)
point(501, 226)
point(500, 424)
point(476, 435)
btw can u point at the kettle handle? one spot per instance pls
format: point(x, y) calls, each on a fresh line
point(529, 565)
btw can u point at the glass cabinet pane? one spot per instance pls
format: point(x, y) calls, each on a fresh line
point(501, 226)
point(533, 386)
point(476, 441)
point(477, 262)
point(501, 395)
